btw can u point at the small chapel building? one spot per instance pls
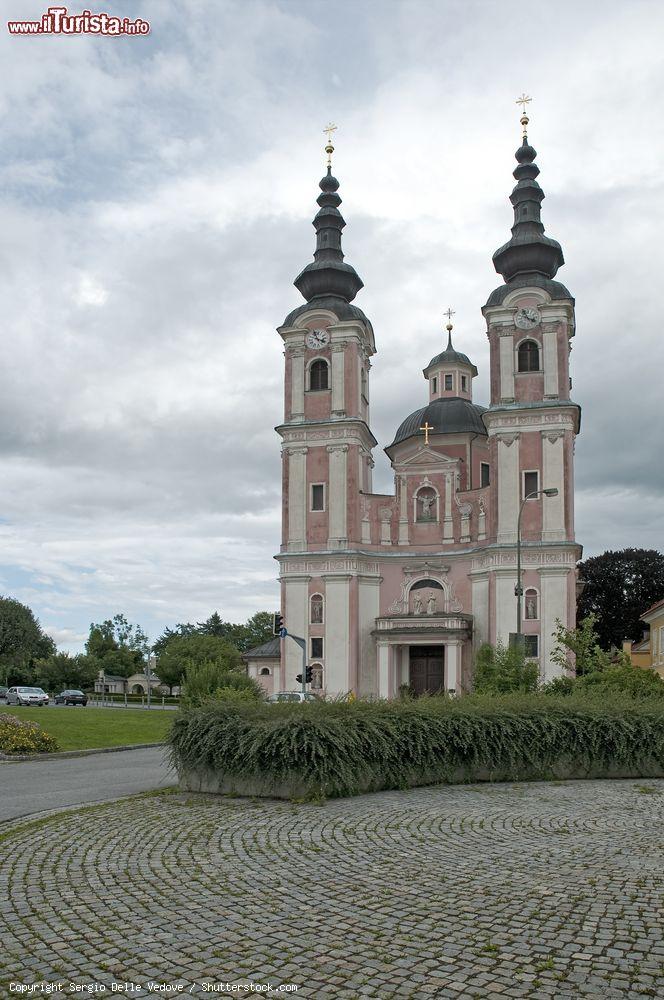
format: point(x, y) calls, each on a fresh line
point(400, 589)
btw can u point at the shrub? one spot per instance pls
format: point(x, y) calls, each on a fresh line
point(205, 681)
point(18, 736)
point(578, 648)
point(501, 670)
point(330, 749)
point(632, 681)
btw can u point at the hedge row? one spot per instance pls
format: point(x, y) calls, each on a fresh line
point(334, 749)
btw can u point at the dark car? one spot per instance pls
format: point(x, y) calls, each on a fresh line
point(71, 698)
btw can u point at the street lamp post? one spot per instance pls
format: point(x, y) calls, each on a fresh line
point(148, 670)
point(518, 590)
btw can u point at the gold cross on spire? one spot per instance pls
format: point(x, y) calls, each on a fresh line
point(329, 130)
point(427, 427)
point(524, 101)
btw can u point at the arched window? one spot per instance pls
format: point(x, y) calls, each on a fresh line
point(316, 676)
point(528, 356)
point(532, 609)
point(265, 672)
point(316, 609)
point(318, 375)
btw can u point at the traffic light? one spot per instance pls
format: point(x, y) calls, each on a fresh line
point(277, 623)
point(298, 678)
point(308, 673)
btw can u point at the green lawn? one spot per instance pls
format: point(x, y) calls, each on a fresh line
point(86, 728)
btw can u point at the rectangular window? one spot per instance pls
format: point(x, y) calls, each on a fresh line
point(485, 474)
point(448, 383)
point(464, 383)
point(531, 646)
point(318, 496)
point(316, 648)
point(530, 484)
point(434, 385)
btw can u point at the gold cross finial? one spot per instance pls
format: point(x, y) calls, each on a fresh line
point(450, 313)
point(329, 130)
point(427, 427)
point(524, 101)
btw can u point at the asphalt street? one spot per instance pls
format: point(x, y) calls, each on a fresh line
point(31, 786)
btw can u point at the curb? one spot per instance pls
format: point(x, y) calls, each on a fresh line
point(64, 754)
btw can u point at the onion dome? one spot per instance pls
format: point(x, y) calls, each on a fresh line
point(451, 357)
point(529, 257)
point(328, 274)
point(450, 415)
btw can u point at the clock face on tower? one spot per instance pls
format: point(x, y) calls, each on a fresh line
point(317, 338)
point(527, 317)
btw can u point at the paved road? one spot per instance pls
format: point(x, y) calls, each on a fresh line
point(30, 786)
point(544, 891)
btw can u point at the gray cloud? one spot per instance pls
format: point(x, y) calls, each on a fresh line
point(155, 204)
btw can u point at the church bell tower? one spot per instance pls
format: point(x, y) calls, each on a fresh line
point(532, 421)
point(326, 450)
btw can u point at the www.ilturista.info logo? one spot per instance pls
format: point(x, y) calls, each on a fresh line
point(56, 21)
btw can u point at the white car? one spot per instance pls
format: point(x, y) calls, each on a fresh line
point(292, 696)
point(27, 696)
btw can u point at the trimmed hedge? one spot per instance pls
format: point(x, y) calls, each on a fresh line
point(332, 749)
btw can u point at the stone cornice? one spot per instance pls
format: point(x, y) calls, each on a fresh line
point(346, 430)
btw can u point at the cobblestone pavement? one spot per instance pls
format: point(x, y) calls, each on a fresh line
point(533, 890)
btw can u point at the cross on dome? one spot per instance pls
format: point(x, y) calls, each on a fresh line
point(329, 130)
point(524, 101)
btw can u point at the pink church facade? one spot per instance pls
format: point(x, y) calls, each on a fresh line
point(400, 589)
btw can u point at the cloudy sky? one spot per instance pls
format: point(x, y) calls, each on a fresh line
point(156, 197)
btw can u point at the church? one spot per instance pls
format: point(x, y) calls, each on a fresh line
point(395, 591)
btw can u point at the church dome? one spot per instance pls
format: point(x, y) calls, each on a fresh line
point(446, 416)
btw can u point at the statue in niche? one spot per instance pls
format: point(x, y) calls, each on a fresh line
point(431, 604)
point(418, 607)
point(531, 607)
point(426, 505)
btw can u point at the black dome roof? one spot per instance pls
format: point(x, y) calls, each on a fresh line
point(450, 415)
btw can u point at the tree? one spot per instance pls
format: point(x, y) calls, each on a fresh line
point(22, 641)
point(116, 647)
point(256, 631)
point(61, 670)
point(500, 670)
point(172, 633)
point(579, 647)
point(620, 586)
point(185, 651)
point(214, 626)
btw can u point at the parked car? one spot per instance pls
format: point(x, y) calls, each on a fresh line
point(27, 696)
point(292, 696)
point(71, 697)
point(3, 691)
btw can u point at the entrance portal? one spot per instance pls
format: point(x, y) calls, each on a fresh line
point(427, 669)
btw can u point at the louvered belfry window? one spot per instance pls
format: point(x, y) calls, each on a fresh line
point(318, 378)
point(529, 356)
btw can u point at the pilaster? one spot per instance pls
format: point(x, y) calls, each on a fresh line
point(337, 632)
point(297, 497)
point(338, 378)
point(553, 476)
point(297, 383)
point(508, 486)
point(338, 498)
